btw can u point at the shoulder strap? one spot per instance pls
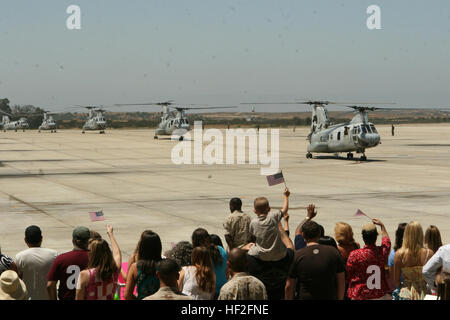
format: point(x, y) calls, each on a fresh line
point(91, 276)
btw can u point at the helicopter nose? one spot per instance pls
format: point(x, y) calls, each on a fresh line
point(370, 140)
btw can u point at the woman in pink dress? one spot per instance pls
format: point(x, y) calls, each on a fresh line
point(99, 280)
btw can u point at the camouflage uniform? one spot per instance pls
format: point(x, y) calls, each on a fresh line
point(167, 293)
point(243, 287)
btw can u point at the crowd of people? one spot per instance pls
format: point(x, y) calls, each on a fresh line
point(259, 262)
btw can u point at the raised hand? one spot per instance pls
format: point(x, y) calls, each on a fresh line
point(311, 211)
point(286, 193)
point(377, 222)
point(109, 229)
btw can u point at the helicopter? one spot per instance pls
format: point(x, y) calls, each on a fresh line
point(252, 115)
point(48, 123)
point(96, 120)
point(20, 124)
point(357, 135)
point(172, 121)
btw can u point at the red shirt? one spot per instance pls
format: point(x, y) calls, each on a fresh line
point(366, 271)
point(66, 268)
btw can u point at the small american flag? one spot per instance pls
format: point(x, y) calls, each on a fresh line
point(275, 179)
point(97, 216)
point(360, 213)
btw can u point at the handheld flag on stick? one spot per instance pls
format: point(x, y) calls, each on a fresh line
point(97, 216)
point(360, 213)
point(276, 179)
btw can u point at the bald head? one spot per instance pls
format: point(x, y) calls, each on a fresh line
point(237, 260)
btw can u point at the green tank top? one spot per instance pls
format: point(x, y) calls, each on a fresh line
point(146, 285)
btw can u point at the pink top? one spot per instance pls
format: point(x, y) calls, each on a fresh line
point(98, 289)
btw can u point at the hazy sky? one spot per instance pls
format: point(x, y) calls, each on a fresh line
point(224, 52)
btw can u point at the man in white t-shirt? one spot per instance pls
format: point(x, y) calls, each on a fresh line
point(34, 263)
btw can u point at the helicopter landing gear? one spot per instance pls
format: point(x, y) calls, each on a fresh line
point(83, 132)
point(155, 138)
point(363, 157)
point(102, 132)
point(181, 138)
point(309, 155)
point(349, 155)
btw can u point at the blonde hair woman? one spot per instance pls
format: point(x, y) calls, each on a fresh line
point(343, 234)
point(409, 260)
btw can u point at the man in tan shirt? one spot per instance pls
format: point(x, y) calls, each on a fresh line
point(237, 233)
point(242, 286)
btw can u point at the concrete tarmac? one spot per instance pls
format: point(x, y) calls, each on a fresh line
point(54, 180)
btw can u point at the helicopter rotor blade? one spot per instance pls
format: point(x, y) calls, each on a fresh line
point(165, 103)
point(204, 108)
point(10, 115)
point(314, 102)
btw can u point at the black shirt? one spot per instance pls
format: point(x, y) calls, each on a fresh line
point(272, 273)
point(315, 268)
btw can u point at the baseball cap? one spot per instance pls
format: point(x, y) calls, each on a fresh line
point(81, 233)
point(33, 234)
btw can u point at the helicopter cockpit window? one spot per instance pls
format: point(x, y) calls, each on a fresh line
point(339, 136)
point(374, 130)
point(363, 129)
point(368, 129)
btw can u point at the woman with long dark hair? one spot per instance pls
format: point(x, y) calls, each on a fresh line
point(198, 280)
point(201, 238)
point(142, 273)
point(397, 245)
point(433, 239)
point(99, 280)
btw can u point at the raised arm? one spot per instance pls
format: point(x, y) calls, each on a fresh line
point(117, 255)
point(383, 228)
point(311, 212)
point(286, 223)
point(285, 237)
point(286, 195)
